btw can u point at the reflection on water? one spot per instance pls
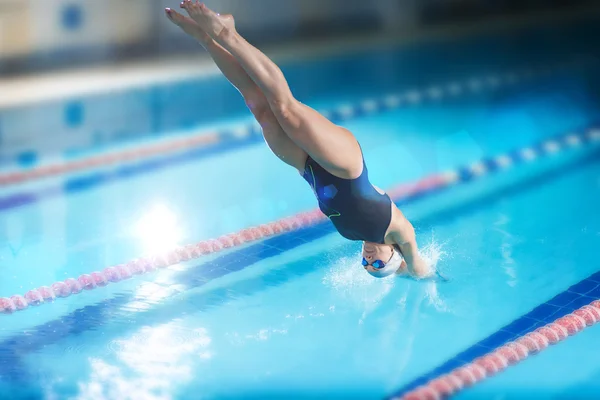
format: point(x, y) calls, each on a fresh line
point(501, 225)
point(158, 230)
point(151, 364)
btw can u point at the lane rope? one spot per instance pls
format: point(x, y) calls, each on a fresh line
point(113, 274)
point(507, 355)
point(343, 112)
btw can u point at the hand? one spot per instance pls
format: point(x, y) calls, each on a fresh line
point(420, 269)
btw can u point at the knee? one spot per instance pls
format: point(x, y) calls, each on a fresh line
point(284, 109)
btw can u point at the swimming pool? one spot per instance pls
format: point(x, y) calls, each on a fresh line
point(294, 315)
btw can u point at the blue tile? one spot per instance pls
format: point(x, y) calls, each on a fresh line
point(563, 299)
point(428, 377)
point(521, 326)
point(237, 266)
point(584, 286)
point(579, 302)
point(497, 339)
point(417, 382)
point(516, 156)
point(278, 242)
point(595, 292)
point(465, 175)
point(595, 277)
point(27, 158)
point(227, 259)
point(451, 364)
point(311, 234)
point(196, 281)
point(561, 312)
point(263, 252)
point(542, 312)
point(294, 235)
point(84, 182)
point(472, 353)
point(327, 227)
point(538, 324)
point(442, 369)
point(214, 273)
point(490, 164)
point(17, 200)
point(251, 250)
point(285, 242)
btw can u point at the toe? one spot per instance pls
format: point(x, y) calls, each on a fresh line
point(174, 15)
point(206, 11)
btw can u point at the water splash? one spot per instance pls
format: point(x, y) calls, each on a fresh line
point(353, 284)
point(432, 253)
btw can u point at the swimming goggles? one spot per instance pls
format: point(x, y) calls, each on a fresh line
point(377, 264)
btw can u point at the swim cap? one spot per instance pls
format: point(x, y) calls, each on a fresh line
point(390, 268)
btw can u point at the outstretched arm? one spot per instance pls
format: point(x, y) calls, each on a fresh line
point(403, 234)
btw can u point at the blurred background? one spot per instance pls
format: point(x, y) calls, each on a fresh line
point(65, 49)
point(62, 33)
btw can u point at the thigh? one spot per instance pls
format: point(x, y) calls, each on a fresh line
point(333, 147)
point(280, 144)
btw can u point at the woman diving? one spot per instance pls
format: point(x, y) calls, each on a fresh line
point(327, 156)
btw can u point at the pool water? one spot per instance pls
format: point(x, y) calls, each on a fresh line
point(296, 316)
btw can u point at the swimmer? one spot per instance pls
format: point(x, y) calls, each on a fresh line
point(327, 156)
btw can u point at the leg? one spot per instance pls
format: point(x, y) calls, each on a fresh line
point(276, 139)
point(334, 147)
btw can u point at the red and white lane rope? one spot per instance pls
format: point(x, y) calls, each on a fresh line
point(414, 97)
point(109, 159)
point(47, 294)
point(507, 355)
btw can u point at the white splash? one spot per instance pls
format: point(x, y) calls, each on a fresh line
point(432, 253)
point(351, 282)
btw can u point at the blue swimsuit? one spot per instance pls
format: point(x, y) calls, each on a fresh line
point(356, 208)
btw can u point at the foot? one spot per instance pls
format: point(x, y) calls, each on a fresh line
point(187, 25)
point(210, 22)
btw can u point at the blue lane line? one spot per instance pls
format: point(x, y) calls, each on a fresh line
point(576, 296)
